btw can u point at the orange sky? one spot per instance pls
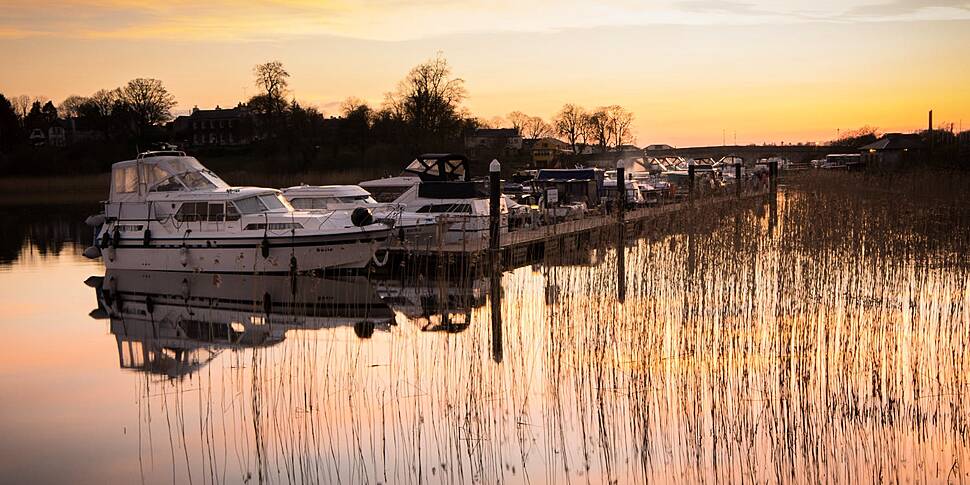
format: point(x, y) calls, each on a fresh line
point(690, 70)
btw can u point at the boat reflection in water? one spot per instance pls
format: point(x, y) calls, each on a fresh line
point(174, 323)
point(435, 305)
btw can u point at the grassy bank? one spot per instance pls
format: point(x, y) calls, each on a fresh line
point(94, 188)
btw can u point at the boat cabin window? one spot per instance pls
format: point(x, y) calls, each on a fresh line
point(274, 202)
point(250, 205)
point(185, 181)
point(443, 208)
point(262, 203)
point(206, 211)
point(126, 180)
point(231, 213)
point(192, 212)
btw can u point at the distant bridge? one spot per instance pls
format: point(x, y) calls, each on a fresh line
point(749, 153)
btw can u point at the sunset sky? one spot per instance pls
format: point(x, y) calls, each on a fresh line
point(690, 70)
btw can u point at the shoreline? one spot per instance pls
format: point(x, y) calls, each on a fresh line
point(93, 188)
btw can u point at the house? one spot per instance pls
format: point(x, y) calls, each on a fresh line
point(488, 143)
point(37, 137)
point(57, 134)
point(503, 138)
point(546, 152)
point(216, 127)
point(892, 151)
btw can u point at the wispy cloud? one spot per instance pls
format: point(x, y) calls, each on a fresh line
point(401, 20)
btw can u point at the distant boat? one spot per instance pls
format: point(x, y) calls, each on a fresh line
point(437, 185)
point(168, 212)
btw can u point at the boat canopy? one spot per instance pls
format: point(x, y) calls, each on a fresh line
point(439, 167)
point(132, 180)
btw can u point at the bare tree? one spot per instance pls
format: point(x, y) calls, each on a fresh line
point(535, 127)
point(103, 101)
point(428, 101)
point(618, 122)
point(21, 106)
point(71, 106)
point(518, 120)
point(148, 101)
point(351, 105)
point(597, 128)
point(271, 77)
point(569, 124)
point(495, 122)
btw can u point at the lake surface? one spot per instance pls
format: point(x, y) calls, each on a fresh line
point(817, 336)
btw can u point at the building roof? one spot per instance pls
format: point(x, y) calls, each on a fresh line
point(204, 114)
point(554, 142)
point(895, 141)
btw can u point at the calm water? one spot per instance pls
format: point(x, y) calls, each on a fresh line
point(819, 337)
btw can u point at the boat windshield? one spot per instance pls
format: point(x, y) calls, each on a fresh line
point(262, 203)
point(186, 181)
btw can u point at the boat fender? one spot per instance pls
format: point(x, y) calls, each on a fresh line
point(105, 240)
point(264, 247)
point(293, 264)
point(115, 237)
point(361, 217)
point(185, 288)
point(267, 303)
point(95, 220)
point(184, 255)
point(94, 281)
point(149, 304)
point(92, 252)
point(148, 237)
point(364, 329)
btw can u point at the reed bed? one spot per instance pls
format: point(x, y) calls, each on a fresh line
point(816, 336)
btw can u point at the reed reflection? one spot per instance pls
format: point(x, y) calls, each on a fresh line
point(820, 337)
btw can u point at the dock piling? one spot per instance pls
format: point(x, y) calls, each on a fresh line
point(773, 175)
point(494, 204)
point(494, 255)
point(620, 232)
point(690, 180)
point(737, 178)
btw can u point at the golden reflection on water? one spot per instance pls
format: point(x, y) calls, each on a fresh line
point(765, 343)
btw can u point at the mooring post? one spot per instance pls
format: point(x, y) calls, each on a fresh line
point(494, 204)
point(690, 180)
point(737, 178)
point(495, 299)
point(620, 190)
point(494, 255)
point(620, 231)
point(773, 175)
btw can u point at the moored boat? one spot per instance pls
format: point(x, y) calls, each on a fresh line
point(166, 211)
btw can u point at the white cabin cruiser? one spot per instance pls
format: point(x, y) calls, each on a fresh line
point(409, 227)
point(437, 184)
point(168, 212)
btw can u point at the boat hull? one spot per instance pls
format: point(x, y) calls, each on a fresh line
point(247, 255)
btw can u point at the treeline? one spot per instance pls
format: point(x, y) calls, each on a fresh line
point(423, 113)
